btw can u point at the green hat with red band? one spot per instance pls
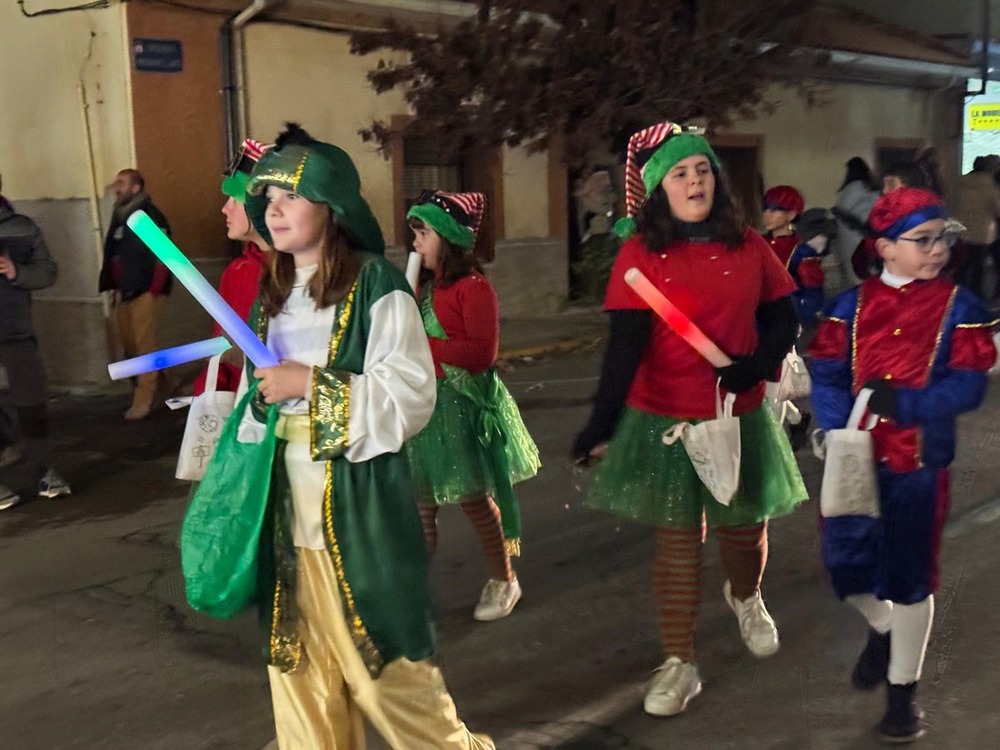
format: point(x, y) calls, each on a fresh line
point(321, 173)
point(455, 216)
point(652, 152)
point(237, 177)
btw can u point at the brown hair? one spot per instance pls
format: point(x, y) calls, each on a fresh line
point(339, 265)
point(134, 177)
point(454, 262)
point(725, 222)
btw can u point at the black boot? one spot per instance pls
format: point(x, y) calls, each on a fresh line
point(901, 723)
point(873, 664)
point(798, 434)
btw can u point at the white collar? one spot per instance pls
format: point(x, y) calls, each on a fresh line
point(894, 280)
point(304, 274)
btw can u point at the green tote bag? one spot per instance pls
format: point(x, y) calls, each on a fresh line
point(221, 531)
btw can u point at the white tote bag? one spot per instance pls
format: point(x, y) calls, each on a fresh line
point(208, 414)
point(795, 381)
point(849, 485)
point(714, 448)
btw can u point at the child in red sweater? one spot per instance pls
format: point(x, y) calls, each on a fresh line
point(475, 447)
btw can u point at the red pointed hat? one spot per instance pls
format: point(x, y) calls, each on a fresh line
point(784, 198)
point(900, 210)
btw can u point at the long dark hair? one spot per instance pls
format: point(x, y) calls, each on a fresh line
point(339, 264)
point(725, 223)
point(454, 263)
point(858, 169)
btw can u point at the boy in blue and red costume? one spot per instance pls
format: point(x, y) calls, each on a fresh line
point(783, 205)
point(923, 346)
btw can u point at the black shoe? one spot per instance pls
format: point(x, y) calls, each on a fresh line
point(873, 664)
point(901, 723)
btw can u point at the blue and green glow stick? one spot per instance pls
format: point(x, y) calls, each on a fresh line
point(201, 290)
point(164, 358)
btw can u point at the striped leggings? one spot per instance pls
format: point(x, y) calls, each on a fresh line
point(676, 577)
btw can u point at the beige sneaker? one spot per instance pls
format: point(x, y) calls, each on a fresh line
point(135, 412)
point(756, 626)
point(497, 600)
point(673, 686)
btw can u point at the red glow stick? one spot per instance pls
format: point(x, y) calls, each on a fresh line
point(679, 322)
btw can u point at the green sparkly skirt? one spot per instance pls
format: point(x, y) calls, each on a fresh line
point(647, 481)
point(450, 459)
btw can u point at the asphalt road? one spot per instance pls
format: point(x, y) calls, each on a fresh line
point(98, 649)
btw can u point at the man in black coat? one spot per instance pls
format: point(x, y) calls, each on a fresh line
point(140, 282)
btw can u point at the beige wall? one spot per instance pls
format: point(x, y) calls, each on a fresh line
point(808, 147)
point(310, 77)
point(525, 194)
point(43, 159)
point(42, 138)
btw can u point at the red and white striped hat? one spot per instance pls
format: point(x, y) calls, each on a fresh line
point(651, 153)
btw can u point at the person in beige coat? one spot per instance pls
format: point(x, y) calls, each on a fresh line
point(977, 205)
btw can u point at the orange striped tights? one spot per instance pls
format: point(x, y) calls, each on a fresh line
point(676, 571)
point(485, 518)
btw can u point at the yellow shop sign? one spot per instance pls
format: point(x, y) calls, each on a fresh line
point(984, 116)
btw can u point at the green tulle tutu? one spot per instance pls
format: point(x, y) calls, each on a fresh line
point(451, 460)
point(647, 481)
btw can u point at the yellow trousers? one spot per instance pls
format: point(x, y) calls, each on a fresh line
point(137, 322)
point(322, 705)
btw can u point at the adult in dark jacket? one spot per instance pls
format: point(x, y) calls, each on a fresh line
point(25, 265)
point(139, 280)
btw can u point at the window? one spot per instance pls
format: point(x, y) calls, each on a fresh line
point(419, 163)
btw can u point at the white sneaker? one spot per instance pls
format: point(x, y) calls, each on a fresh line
point(497, 600)
point(8, 498)
point(756, 626)
point(50, 484)
point(672, 687)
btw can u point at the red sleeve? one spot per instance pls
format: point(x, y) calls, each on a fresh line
point(972, 348)
point(475, 349)
point(811, 275)
point(831, 340)
point(160, 275)
point(240, 284)
point(776, 282)
point(619, 295)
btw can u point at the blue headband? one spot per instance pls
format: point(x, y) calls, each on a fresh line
point(914, 219)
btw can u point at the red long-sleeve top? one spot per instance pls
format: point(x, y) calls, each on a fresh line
point(470, 314)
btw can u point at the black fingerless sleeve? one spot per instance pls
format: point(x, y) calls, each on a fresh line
point(627, 341)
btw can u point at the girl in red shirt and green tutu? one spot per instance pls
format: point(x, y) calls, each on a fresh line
point(476, 446)
point(691, 245)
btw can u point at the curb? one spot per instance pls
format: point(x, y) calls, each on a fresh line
point(549, 347)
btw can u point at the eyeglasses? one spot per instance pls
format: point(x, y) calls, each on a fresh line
point(924, 244)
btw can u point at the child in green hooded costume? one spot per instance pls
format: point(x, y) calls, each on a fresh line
point(347, 599)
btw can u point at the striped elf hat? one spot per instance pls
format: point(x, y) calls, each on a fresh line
point(651, 153)
point(455, 216)
point(237, 176)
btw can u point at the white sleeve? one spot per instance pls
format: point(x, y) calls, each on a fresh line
point(393, 399)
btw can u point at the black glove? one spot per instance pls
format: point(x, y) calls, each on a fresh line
point(883, 401)
point(742, 375)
